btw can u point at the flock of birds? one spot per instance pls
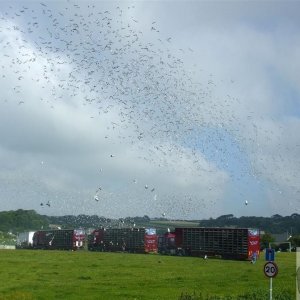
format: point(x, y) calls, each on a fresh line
point(103, 59)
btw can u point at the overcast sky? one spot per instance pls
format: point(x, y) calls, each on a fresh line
point(178, 109)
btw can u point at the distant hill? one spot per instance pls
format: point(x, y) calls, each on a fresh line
point(26, 220)
point(273, 224)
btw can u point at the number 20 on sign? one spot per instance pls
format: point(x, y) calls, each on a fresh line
point(270, 269)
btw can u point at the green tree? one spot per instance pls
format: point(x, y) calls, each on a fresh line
point(266, 239)
point(21, 220)
point(295, 241)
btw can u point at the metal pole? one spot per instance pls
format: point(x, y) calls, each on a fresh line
point(271, 288)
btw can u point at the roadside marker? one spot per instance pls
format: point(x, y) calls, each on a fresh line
point(270, 268)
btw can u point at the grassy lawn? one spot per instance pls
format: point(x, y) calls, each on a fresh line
point(27, 274)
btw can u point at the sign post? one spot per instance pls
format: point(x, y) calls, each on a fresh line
point(270, 270)
point(298, 273)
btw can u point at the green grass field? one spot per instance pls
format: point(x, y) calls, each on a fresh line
point(28, 274)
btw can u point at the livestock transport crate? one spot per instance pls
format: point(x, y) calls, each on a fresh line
point(66, 239)
point(138, 240)
point(238, 243)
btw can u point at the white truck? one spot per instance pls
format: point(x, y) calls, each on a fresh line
point(25, 240)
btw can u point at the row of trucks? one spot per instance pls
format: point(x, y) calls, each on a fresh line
point(229, 243)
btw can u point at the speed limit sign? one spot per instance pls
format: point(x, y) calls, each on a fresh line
point(270, 269)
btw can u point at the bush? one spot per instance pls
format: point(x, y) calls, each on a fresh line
point(257, 295)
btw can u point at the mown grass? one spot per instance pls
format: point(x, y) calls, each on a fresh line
point(91, 275)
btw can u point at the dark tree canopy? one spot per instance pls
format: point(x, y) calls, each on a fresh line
point(25, 220)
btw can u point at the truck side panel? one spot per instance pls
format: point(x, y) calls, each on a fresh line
point(253, 243)
point(58, 240)
point(225, 242)
point(138, 240)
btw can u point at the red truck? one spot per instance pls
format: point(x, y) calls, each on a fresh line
point(232, 243)
point(136, 240)
point(64, 239)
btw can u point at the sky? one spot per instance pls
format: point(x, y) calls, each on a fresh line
point(182, 109)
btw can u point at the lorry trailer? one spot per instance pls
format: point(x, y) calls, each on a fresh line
point(231, 243)
point(65, 239)
point(136, 240)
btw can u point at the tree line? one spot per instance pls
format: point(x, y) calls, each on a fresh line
point(275, 224)
point(26, 220)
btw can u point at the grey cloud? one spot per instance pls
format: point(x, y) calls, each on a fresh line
point(54, 147)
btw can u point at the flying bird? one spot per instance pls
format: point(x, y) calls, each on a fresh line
point(142, 85)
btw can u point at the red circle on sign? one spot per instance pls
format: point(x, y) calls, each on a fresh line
point(270, 269)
